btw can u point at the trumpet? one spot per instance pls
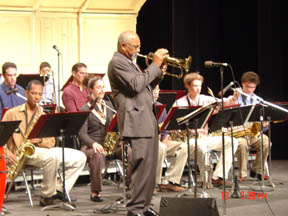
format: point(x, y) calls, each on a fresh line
point(182, 64)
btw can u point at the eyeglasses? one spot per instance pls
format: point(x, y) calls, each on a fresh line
point(134, 46)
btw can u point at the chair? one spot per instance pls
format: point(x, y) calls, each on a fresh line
point(252, 156)
point(32, 169)
point(109, 165)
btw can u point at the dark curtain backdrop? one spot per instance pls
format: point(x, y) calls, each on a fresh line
point(250, 35)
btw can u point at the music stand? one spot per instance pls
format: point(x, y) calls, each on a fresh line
point(7, 128)
point(24, 79)
point(266, 111)
point(59, 125)
point(159, 110)
point(167, 97)
point(180, 118)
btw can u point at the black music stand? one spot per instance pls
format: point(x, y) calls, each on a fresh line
point(59, 125)
point(266, 111)
point(159, 110)
point(180, 118)
point(228, 118)
point(24, 79)
point(167, 98)
point(7, 128)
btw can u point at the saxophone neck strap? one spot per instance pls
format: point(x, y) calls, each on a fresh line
point(26, 118)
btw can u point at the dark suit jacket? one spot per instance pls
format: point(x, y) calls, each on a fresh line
point(93, 129)
point(133, 96)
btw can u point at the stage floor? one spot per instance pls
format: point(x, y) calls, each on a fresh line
point(265, 203)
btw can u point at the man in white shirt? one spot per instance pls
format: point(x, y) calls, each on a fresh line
point(193, 83)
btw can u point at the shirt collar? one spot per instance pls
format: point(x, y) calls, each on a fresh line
point(22, 107)
point(6, 87)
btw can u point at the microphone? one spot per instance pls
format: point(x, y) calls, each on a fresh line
point(55, 47)
point(210, 64)
point(226, 88)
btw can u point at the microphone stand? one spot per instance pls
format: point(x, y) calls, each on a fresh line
point(59, 90)
point(65, 205)
point(235, 188)
point(223, 141)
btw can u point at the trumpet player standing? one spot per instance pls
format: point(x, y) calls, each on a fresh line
point(249, 82)
point(137, 123)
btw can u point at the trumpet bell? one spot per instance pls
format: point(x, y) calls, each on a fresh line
point(182, 64)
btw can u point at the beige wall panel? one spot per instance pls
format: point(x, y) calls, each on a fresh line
point(99, 39)
point(16, 39)
point(61, 31)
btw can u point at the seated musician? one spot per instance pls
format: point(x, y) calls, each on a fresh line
point(193, 83)
point(75, 95)
point(10, 92)
point(50, 89)
point(46, 156)
point(249, 82)
point(176, 151)
point(93, 133)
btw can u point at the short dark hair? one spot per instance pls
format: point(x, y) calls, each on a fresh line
point(7, 65)
point(250, 76)
point(35, 82)
point(43, 65)
point(77, 66)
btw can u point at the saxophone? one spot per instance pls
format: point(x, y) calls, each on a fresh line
point(25, 151)
point(110, 142)
point(250, 129)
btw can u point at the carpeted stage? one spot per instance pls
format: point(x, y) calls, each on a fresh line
point(272, 203)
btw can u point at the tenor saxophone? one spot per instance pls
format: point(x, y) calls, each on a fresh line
point(25, 151)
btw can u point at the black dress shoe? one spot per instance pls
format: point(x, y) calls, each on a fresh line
point(253, 174)
point(150, 212)
point(132, 214)
point(46, 201)
point(96, 198)
point(59, 195)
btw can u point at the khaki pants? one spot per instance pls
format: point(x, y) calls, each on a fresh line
point(51, 160)
point(205, 145)
point(177, 156)
point(243, 151)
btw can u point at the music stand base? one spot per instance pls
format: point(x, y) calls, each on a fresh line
point(263, 188)
point(188, 192)
point(119, 205)
point(63, 205)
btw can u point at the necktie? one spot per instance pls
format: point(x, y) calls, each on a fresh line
point(9, 91)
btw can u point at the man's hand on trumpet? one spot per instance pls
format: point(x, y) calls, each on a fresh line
point(159, 56)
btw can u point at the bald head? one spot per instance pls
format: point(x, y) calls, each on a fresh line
point(126, 37)
point(129, 43)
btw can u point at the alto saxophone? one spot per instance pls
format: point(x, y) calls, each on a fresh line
point(25, 151)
